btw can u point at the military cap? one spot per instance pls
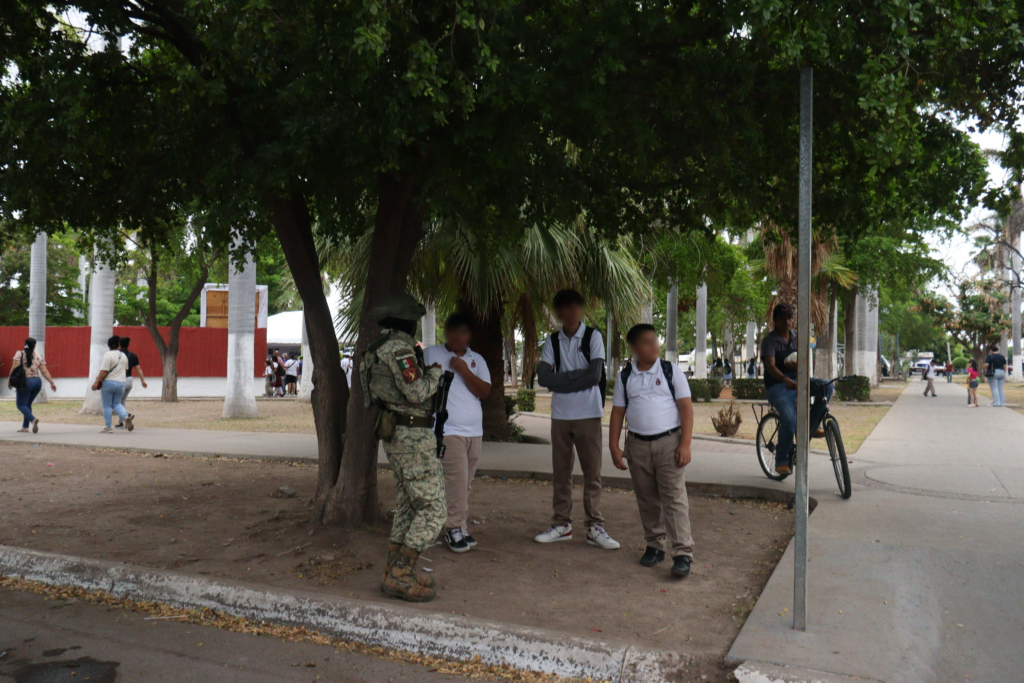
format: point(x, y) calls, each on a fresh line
point(398, 305)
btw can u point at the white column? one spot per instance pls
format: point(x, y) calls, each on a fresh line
point(862, 359)
point(1018, 374)
point(672, 324)
point(700, 353)
point(37, 301)
point(101, 320)
point(750, 348)
point(83, 281)
point(429, 325)
point(647, 313)
point(240, 399)
point(306, 388)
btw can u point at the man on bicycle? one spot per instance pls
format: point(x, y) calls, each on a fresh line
point(780, 384)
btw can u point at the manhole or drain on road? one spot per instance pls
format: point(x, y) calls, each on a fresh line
point(68, 671)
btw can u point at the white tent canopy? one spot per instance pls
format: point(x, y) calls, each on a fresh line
point(285, 328)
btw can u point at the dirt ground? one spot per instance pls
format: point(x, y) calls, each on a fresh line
point(219, 518)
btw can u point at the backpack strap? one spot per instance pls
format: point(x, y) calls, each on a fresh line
point(624, 377)
point(588, 334)
point(667, 370)
point(556, 347)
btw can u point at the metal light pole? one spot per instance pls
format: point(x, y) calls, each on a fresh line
point(803, 308)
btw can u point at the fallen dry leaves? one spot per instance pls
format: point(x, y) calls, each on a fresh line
point(295, 634)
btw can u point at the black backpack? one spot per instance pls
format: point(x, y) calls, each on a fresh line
point(588, 334)
point(666, 369)
point(18, 379)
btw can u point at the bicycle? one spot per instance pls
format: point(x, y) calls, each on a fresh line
point(768, 423)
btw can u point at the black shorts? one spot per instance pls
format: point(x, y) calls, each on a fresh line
point(290, 379)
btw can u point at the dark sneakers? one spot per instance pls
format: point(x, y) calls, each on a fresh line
point(652, 556)
point(470, 541)
point(681, 565)
point(456, 540)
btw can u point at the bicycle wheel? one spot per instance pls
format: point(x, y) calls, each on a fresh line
point(767, 444)
point(838, 453)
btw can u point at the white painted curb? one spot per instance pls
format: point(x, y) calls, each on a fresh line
point(395, 626)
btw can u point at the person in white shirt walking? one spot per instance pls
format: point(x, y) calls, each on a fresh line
point(655, 402)
point(110, 382)
point(572, 367)
point(464, 430)
point(291, 374)
point(929, 376)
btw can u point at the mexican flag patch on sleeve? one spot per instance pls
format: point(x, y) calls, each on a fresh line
point(410, 371)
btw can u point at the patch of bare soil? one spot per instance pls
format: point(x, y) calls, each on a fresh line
point(220, 518)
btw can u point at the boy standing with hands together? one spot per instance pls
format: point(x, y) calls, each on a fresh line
point(655, 402)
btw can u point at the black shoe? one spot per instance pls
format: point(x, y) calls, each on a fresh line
point(120, 426)
point(470, 541)
point(652, 556)
point(681, 565)
point(456, 541)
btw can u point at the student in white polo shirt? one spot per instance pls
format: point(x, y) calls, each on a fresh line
point(655, 401)
point(572, 367)
point(464, 430)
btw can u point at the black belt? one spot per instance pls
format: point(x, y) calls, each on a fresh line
point(413, 421)
point(653, 437)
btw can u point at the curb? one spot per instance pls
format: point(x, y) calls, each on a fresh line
point(395, 627)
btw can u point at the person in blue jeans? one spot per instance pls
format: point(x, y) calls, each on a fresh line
point(33, 365)
point(995, 373)
point(778, 351)
point(110, 382)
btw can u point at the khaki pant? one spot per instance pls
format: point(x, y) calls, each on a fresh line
point(461, 457)
point(930, 387)
point(585, 436)
point(660, 488)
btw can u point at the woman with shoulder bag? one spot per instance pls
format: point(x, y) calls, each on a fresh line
point(995, 373)
point(972, 385)
point(25, 381)
point(110, 382)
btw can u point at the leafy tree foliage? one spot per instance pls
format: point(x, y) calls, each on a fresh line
point(63, 299)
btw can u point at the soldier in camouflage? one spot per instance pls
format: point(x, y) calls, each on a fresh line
point(393, 377)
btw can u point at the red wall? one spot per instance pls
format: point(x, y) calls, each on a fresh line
point(202, 351)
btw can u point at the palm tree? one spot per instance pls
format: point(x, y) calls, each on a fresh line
point(504, 288)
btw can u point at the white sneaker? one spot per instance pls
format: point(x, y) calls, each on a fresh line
point(596, 535)
point(555, 533)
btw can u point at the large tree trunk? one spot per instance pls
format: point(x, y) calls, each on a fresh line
point(488, 342)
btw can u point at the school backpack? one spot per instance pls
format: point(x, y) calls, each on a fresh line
point(666, 369)
point(588, 334)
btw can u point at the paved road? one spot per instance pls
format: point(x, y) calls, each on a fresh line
point(44, 641)
point(920, 576)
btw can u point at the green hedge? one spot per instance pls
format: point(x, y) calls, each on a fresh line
point(705, 389)
point(856, 389)
point(748, 388)
point(960, 362)
point(510, 405)
point(526, 399)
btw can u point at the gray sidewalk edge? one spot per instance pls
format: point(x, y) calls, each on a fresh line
point(396, 626)
point(766, 672)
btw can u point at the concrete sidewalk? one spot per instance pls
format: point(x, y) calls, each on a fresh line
point(920, 576)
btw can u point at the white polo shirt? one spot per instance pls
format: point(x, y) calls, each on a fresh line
point(465, 414)
point(578, 405)
point(652, 407)
point(291, 367)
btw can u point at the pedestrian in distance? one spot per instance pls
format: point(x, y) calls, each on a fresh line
point(972, 384)
point(291, 374)
point(572, 367)
point(727, 376)
point(269, 377)
point(464, 430)
point(778, 350)
point(394, 378)
point(949, 372)
point(752, 369)
point(929, 376)
point(133, 365)
point(995, 374)
point(655, 403)
point(110, 384)
point(25, 381)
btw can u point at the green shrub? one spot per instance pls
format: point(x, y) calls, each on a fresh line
point(705, 389)
point(856, 389)
point(748, 388)
point(526, 400)
point(510, 405)
point(960, 362)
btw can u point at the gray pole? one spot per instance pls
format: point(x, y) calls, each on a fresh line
point(803, 404)
point(611, 369)
point(429, 325)
point(306, 385)
point(101, 320)
point(240, 399)
point(37, 301)
point(672, 325)
point(1018, 370)
point(700, 351)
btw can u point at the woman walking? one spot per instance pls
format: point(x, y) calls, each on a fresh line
point(110, 382)
point(972, 384)
point(995, 373)
point(32, 364)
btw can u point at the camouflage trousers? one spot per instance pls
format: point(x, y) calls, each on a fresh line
point(420, 508)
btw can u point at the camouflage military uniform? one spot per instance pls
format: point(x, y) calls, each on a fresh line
point(396, 379)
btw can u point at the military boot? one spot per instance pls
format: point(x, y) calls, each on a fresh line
point(401, 581)
point(394, 550)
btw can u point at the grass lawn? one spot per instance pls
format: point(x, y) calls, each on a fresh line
point(276, 415)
